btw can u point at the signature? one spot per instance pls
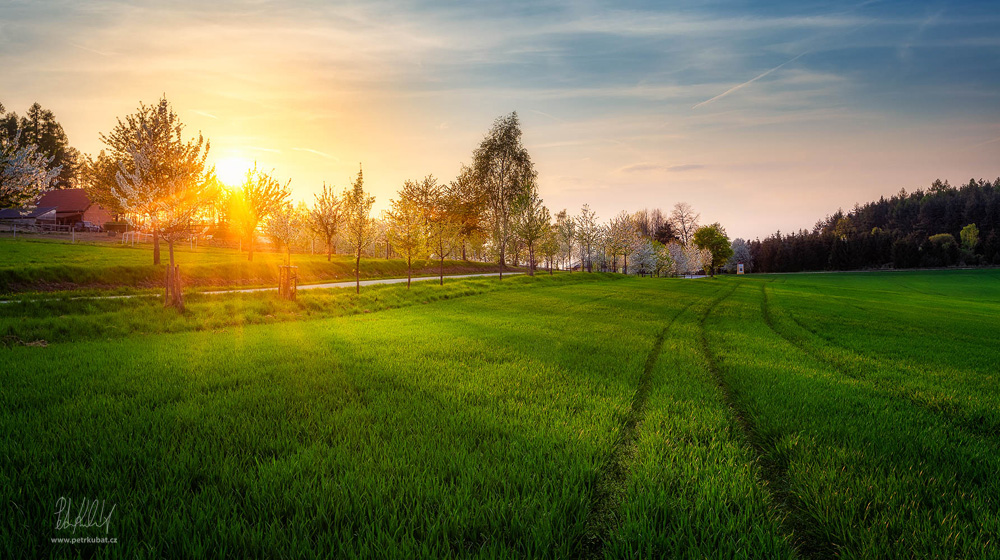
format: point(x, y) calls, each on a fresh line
point(90, 513)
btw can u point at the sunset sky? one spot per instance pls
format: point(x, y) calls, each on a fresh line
point(762, 115)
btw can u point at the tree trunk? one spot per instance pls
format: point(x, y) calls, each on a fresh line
point(329, 250)
point(173, 296)
point(441, 270)
point(357, 271)
point(156, 247)
point(409, 270)
point(500, 261)
point(626, 264)
point(250, 248)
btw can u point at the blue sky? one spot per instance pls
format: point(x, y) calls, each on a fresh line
point(763, 115)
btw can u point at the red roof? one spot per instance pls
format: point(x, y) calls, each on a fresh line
point(66, 200)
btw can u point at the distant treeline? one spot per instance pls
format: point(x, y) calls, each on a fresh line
point(940, 226)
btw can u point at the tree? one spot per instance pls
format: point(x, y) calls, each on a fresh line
point(503, 172)
point(165, 180)
point(285, 226)
point(40, 128)
point(684, 221)
point(645, 257)
point(531, 223)
point(469, 205)
point(406, 230)
point(325, 217)
point(587, 234)
point(565, 231)
point(260, 196)
point(550, 246)
point(741, 254)
point(443, 224)
point(25, 173)
point(158, 127)
point(678, 256)
point(970, 237)
point(713, 238)
point(696, 259)
point(357, 222)
point(664, 261)
point(621, 239)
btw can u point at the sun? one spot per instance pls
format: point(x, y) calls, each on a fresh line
point(232, 171)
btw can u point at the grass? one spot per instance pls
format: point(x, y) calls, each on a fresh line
point(43, 265)
point(799, 416)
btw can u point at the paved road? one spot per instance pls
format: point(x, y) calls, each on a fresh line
point(349, 284)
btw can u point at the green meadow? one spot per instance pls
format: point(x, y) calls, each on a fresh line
point(573, 416)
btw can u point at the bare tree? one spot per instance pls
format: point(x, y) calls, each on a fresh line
point(260, 196)
point(503, 172)
point(325, 217)
point(357, 222)
point(685, 221)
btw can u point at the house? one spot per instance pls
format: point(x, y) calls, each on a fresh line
point(22, 217)
point(72, 206)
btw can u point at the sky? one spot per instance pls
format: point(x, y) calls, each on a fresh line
point(763, 115)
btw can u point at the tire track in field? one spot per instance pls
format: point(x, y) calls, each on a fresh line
point(612, 478)
point(773, 473)
point(954, 413)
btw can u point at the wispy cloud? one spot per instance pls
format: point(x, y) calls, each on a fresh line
point(648, 167)
point(204, 114)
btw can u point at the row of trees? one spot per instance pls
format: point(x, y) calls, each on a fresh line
point(940, 226)
point(160, 183)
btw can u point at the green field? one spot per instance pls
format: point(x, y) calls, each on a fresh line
point(43, 265)
point(794, 416)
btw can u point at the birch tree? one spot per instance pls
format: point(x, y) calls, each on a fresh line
point(503, 172)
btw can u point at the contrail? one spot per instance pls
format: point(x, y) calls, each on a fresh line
point(317, 152)
point(748, 82)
